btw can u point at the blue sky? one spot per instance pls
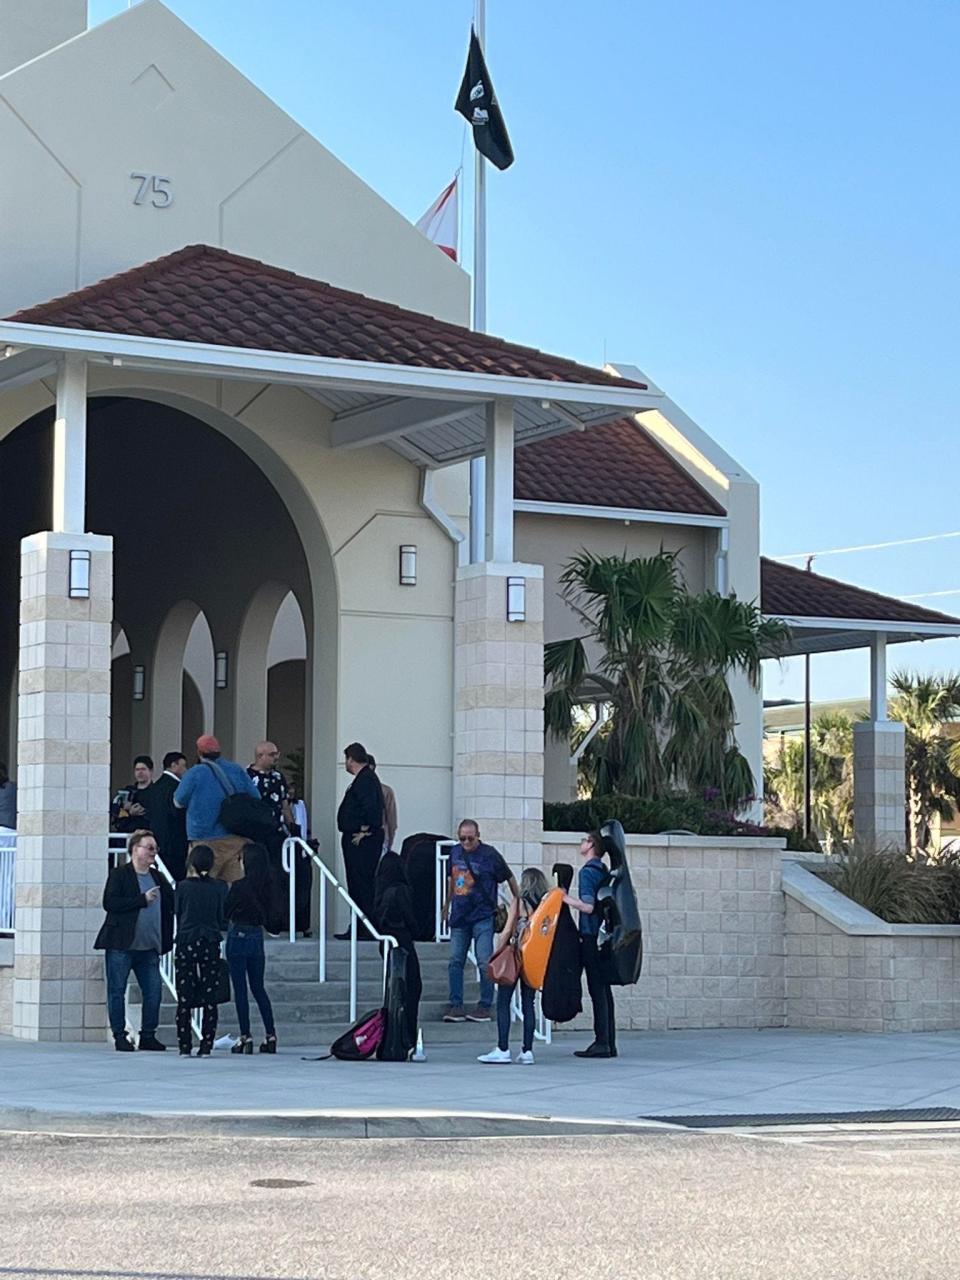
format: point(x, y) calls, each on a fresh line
point(756, 202)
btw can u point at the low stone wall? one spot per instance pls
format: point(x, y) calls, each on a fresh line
point(712, 911)
point(845, 969)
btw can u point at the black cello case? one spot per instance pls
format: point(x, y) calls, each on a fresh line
point(562, 996)
point(621, 936)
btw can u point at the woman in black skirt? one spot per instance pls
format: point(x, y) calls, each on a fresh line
point(199, 908)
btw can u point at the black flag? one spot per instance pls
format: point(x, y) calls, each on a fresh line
point(478, 105)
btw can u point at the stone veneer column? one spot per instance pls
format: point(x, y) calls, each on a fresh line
point(498, 744)
point(64, 785)
point(879, 818)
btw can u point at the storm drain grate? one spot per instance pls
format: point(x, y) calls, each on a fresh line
point(910, 1114)
point(279, 1184)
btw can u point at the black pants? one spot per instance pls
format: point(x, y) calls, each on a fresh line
point(361, 861)
point(198, 971)
point(601, 996)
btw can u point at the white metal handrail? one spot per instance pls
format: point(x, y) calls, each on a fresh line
point(117, 853)
point(8, 880)
point(294, 845)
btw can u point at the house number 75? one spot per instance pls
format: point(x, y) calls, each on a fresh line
point(158, 191)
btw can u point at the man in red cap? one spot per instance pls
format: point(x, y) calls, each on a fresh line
point(201, 792)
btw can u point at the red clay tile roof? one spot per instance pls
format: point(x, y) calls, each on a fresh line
point(789, 592)
point(614, 465)
point(202, 294)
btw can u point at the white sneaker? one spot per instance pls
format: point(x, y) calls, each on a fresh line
point(495, 1055)
point(526, 1059)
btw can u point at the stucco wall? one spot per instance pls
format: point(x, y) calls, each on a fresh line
point(847, 970)
point(712, 912)
point(147, 95)
point(382, 654)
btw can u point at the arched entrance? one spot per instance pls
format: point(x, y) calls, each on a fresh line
point(206, 550)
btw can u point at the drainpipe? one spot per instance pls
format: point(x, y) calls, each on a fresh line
point(436, 513)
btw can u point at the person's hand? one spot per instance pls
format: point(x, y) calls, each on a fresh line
point(357, 837)
point(152, 894)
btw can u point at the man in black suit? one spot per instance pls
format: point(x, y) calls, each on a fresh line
point(138, 930)
point(168, 823)
point(360, 823)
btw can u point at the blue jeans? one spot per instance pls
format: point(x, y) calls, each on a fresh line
point(481, 935)
point(248, 964)
point(504, 1001)
point(146, 970)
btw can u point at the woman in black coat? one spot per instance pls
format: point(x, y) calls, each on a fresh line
point(199, 906)
point(394, 914)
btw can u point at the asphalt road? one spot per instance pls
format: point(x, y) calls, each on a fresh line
point(662, 1205)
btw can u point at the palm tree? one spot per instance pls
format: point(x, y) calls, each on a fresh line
point(666, 657)
point(923, 705)
point(831, 779)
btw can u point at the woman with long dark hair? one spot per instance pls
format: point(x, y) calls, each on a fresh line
point(199, 908)
point(248, 911)
point(593, 875)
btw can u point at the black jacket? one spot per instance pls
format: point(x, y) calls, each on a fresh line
point(200, 908)
point(122, 900)
point(168, 824)
point(362, 806)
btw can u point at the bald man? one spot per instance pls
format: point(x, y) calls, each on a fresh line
point(271, 783)
point(273, 787)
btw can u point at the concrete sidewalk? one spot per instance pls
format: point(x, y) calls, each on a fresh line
point(83, 1087)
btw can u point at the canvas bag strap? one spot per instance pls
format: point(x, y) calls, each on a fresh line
point(221, 777)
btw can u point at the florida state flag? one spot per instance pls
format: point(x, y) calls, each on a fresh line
point(439, 223)
point(477, 103)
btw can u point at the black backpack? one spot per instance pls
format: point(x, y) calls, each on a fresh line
point(243, 814)
point(395, 1045)
point(362, 1041)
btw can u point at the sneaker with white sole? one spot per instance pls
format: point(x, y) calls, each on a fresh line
point(526, 1059)
point(497, 1056)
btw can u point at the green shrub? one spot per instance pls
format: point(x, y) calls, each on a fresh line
point(896, 889)
point(682, 812)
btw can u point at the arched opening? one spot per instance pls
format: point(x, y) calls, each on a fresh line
point(201, 507)
point(199, 681)
point(121, 710)
point(286, 679)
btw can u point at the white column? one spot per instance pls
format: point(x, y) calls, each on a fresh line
point(499, 482)
point(878, 676)
point(70, 447)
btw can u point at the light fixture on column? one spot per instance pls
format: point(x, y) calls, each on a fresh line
point(408, 565)
point(220, 669)
point(516, 599)
point(139, 683)
point(79, 575)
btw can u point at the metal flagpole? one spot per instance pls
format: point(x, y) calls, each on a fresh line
point(807, 743)
point(478, 466)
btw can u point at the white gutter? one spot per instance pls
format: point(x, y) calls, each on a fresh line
point(441, 517)
point(311, 371)
point(863, 624)
point(620, 513)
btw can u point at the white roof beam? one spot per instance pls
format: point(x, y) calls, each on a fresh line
point(376, 422)
point(319, 372)
point(21, 366)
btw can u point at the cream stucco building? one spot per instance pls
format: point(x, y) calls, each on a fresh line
point(237, 453)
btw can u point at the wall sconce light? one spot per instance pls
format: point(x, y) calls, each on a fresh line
point(139, 683)
point(220, 669)
point(79, 575)
point(408, 566)
point(516, 599)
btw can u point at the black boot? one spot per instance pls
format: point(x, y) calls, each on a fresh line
point(594, 1051)
point(123, 1044)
